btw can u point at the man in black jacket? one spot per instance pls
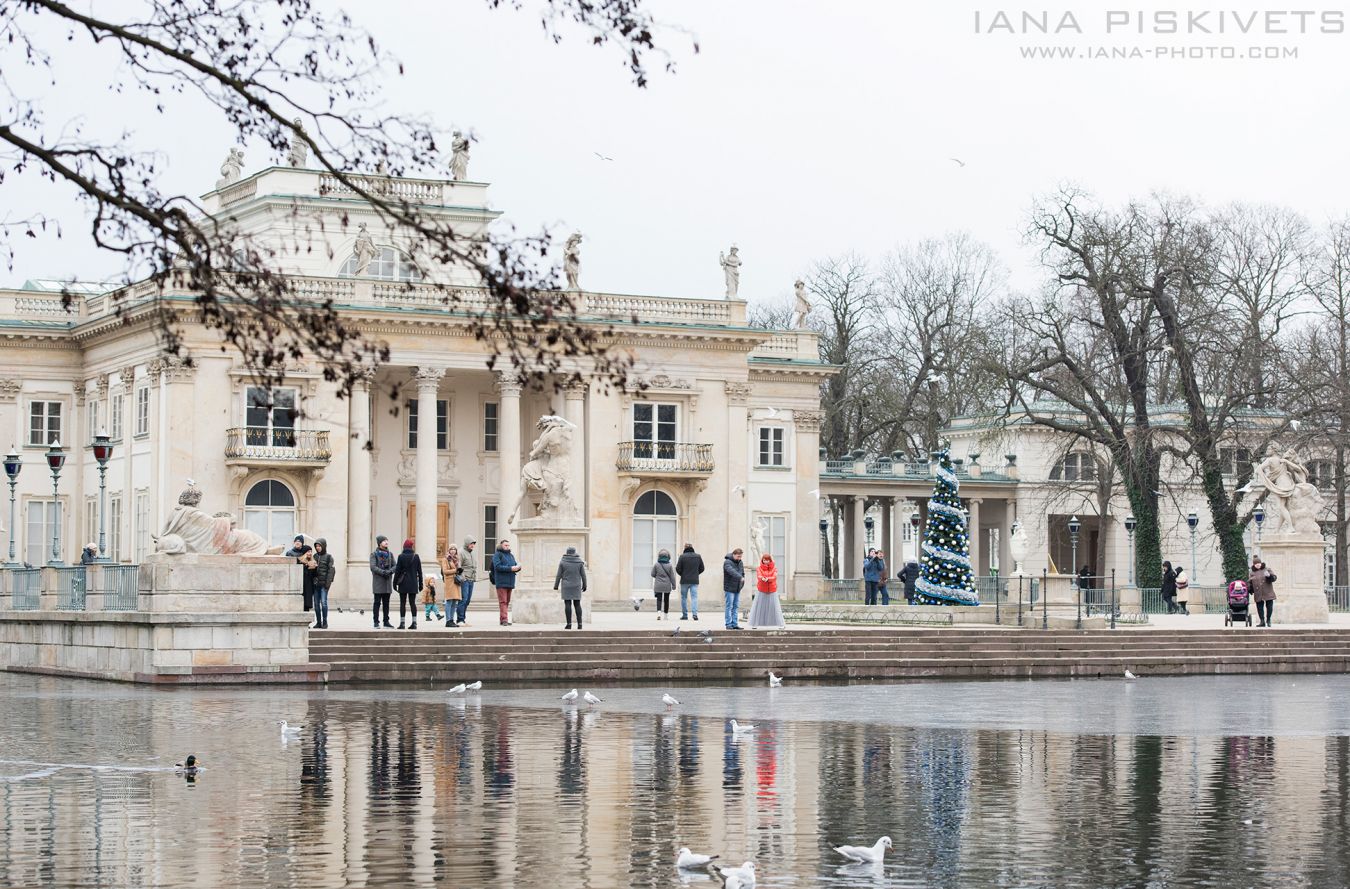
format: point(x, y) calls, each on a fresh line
point(689, 566)
point(909, 575)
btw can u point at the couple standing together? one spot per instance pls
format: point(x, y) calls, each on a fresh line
point(764, 610)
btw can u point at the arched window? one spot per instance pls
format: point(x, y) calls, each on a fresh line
point(655, 527)
point(388, 265)
point(1076, 467)
point(269, 512)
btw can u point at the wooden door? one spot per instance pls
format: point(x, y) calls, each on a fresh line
point(442, 526)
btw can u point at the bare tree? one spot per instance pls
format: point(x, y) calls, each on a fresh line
point(845, 291)
point(284, 74)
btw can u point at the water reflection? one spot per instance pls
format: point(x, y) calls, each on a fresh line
point(387, 788)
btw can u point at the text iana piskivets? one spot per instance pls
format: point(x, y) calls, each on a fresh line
point(1269, 22)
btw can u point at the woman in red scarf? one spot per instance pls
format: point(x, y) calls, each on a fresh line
point(765, 612)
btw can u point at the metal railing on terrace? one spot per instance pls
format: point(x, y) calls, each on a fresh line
point(120, 585)
point(279, 444)
point(24, 587)
point(1338, 599)
point(884, 467)
point(71, 587)
point(665, 457)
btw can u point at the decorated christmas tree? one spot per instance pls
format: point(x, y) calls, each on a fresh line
point(945, 578)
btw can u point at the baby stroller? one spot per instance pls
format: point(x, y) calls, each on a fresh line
point(1239, 604)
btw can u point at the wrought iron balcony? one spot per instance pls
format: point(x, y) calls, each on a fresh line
point(665, 458)
point(264, 446)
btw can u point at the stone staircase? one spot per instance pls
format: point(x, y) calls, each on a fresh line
point(633, 656)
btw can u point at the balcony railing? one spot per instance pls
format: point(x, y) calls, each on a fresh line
point(24, 588)
point(665, 457)
point(265, 444)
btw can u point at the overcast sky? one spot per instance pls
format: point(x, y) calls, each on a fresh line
point(802, 130)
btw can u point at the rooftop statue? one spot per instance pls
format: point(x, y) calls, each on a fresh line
point(572, 261)
point(299, 153)
point(731, 267)
point(459, 157)
point(231, 169)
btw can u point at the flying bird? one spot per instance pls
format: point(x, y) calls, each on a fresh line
point(738, 489)
point(874, 852)
point(774, 681)
point(570, 697)
point(957, 161)
point(603, 157)
point(692, 859)
point(592, 699)
point(669, 700)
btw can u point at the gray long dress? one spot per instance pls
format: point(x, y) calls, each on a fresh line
point(766, 612)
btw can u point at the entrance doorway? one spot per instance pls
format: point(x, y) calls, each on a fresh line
point(442, 526)
point(656, 525)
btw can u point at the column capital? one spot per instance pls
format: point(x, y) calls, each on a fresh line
point(576, 390)
point(509, 383)
point(363, 378)
point(738, 393)
point(808, 421)
point(9, 390)
point(428, 378)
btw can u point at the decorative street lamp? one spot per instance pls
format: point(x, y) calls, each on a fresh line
point(869, 523)
point(1193, 522)
point(56, 458)
point(824, 547)
point(914, 527)
point(103, 450)
point(1130, 525)
point(1259, 514)
point(1074, 527)
point(12, 466)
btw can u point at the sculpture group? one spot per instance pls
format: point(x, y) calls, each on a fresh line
point(547, 472)
point(191, 530)
point(1295, 504)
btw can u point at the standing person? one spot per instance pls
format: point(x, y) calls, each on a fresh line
point(89, 555)
point(1183, 590)
point(1262, 584)
point(689, 566)
point(1169, 588)
point(733, 579)
point(468, 576)
point(909, 576)
point(872, 575)
point(663, 582)
point(381, 580)
point(324, 570)
point(453, 574)
point(883, 576)
point(429, 597)
point(504, 571)
point(766, 611)
point(300, 551)
point(571, 582)
point(408, 581)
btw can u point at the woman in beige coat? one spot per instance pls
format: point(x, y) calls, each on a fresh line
point(450, 571)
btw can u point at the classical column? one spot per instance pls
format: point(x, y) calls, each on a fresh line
point(508, 443)
point(975, 536)
point(424, 534)
point(805, 550)
point(574, 412)
point(359, 543)
point(885, 537)
point(894, 536)
point(738, 465)
point(855, 558)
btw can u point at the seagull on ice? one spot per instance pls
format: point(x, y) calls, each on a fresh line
point(570, 697)
point(669, 701)
point(692, 859)
point(290, 731)
point(591, 699)
point(739, 876)
point(475, 686)
point(774, 681)
point(458, 689)
point(875, 852)
point(1129, 675)
point(738, 729)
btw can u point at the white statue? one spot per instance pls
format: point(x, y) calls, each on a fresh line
point(364, 250)
point(802, 308)
point(1017, 547)
point(1297, 504)
point(572, 261)
point(459, 157)
point(190, 530)
point(299, 153)
point(731, 265)
point(548, 472)
point(232, 169)
point(758, 545)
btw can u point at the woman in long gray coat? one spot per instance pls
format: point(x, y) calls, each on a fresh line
point(571, 581)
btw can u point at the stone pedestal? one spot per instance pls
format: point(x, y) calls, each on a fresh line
point(538, 549)
point(1300, 595)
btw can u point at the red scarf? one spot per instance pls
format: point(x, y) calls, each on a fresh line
point(768, 577)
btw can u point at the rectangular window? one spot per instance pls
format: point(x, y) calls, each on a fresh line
point(490, 426)
point(44, 423)
point(43, 518)
point(1233, 460)
point(654, 430)
point(90, 521)
point(489, 534)
point(142, 525)
point(775, 541)
point(115, 418)
point(115, 527)
point(269, 416)
point(771, 446)
point(143, 411)
point(93, 417)
point(442, 425)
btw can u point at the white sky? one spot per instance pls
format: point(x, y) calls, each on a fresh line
point(801, 130)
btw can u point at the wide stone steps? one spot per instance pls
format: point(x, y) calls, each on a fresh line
point(655, 656)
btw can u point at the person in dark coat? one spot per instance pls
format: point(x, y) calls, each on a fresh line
point(324, 571)
point(664, 580)
point(689, 566)
point(1169, 587)
point(874, 573)
point(909, 576)
point(300, 552)
point(1261, 582)
point(733, 579)
point(89, 555)
point(504, 571)
point(381, 580)
point(408, 581)
point(571, 582)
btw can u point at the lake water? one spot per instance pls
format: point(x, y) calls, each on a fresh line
point(1224, 782)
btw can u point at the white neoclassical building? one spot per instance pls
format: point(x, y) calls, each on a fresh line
point(722, 439)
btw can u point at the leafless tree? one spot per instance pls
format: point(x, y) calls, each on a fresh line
point(278, 71)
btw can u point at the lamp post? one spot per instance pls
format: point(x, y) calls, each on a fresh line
point(914, 527)
point(824, 547)
point(869, 523)
point(56, 458)
point(1193, 522)
point(1130, 525)
point(12, 466)
point(1074, 527)
point(103, 449)
point(1259, 514)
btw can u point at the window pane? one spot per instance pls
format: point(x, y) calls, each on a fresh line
point(412, 424)
point(489, 534)
point(490, 426)
point(646, 504)
point(442, 424)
